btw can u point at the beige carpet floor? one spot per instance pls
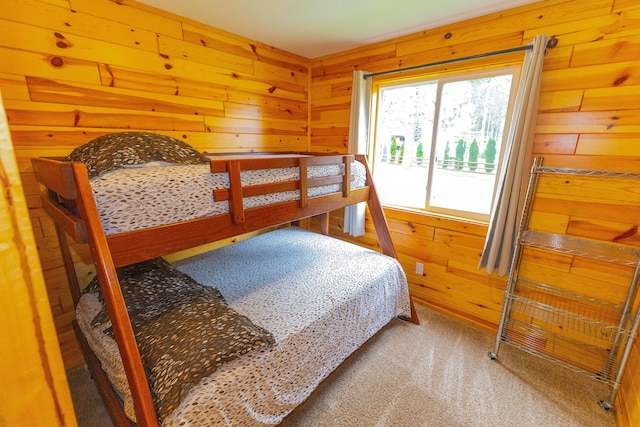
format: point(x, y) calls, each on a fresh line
point(435, 374)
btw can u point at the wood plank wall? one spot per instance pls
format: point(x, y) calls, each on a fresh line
point(75, 69)
point(72, 70)
point(34, 385)
point(589, 117)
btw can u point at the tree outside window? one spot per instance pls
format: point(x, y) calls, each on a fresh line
point(454, 128)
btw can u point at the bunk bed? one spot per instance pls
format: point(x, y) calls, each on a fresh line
point(285, 292)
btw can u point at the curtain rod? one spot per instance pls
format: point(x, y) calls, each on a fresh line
point(553, 42)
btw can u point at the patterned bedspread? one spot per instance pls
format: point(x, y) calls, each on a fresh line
point(133, 198)
point(184, 330)
point(319, 297)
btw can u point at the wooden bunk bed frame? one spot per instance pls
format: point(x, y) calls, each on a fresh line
point(69, 201)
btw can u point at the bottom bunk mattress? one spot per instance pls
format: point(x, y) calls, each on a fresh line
point(318, 297)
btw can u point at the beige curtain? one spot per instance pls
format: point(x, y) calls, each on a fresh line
point(509, 200)
point(358, 141)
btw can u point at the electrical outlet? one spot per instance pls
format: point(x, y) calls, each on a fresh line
point(419, 268)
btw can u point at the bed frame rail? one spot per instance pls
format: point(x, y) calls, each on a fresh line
point(60, 182)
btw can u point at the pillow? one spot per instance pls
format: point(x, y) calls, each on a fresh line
point(173, 316)
point(122, 149)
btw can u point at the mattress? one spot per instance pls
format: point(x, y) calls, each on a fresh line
point(321, 298)
point(133, 198)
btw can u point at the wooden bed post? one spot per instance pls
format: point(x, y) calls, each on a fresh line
point(382, 227)
point(377, 214)
point(114, 300)
point(69, 266)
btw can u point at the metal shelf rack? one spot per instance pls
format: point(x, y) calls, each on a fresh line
point(556, 324)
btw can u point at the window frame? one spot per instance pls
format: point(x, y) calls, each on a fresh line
point(441, 78)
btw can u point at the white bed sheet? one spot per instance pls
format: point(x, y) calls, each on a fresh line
point(320, 297)
point(134, 198)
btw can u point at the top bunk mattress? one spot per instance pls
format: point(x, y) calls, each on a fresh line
point(134, 198)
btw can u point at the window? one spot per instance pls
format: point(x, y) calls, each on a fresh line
point(437, 141)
